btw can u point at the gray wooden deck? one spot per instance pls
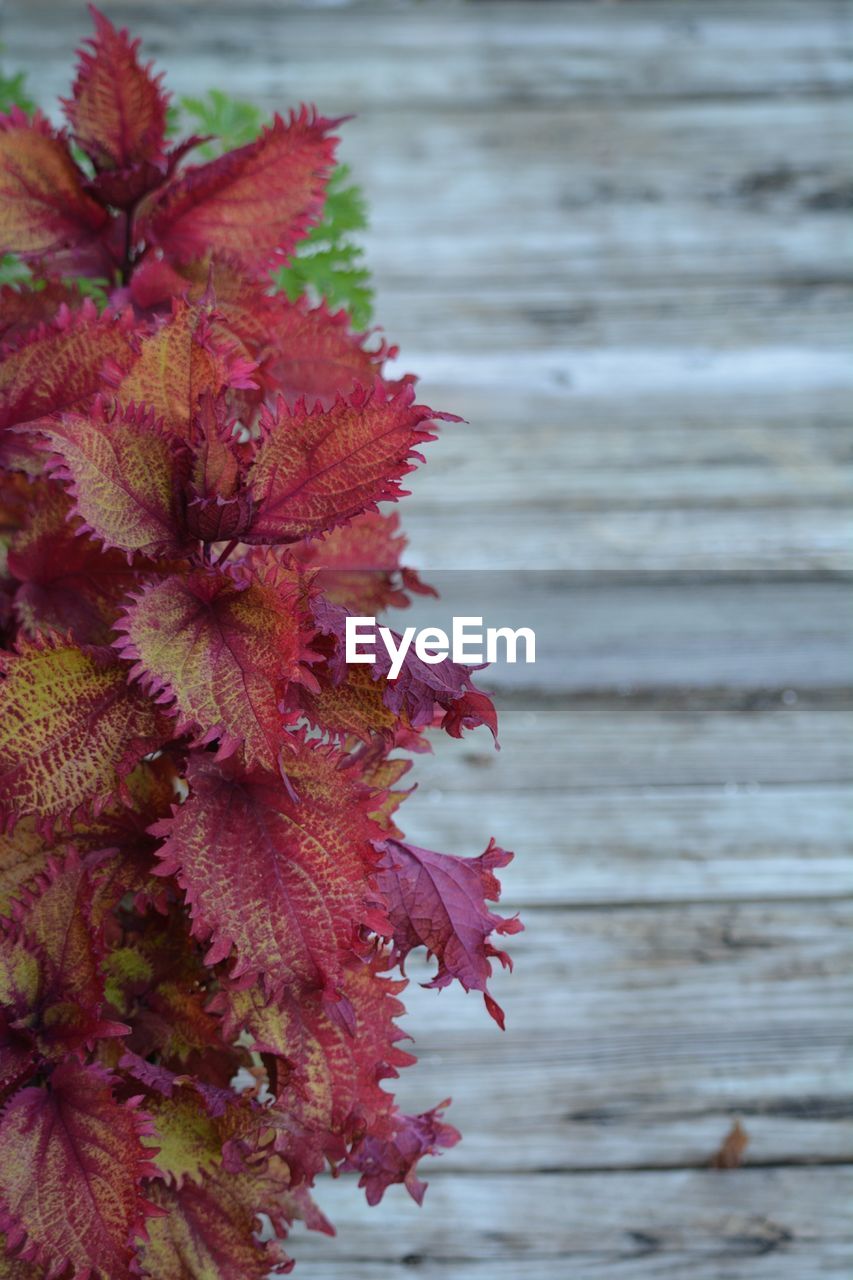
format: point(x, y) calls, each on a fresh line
point(616, 237)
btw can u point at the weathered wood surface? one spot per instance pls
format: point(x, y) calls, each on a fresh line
point(597, 742)
point(661, 995)
point(522, 54)
point(616, 238)
point(784, 1224)
point(647, 540)
point(646, 843)
point(629, 632)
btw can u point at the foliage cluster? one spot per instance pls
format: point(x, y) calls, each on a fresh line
point(204, 894)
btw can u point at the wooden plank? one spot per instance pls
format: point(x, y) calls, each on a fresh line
point(654, 356)
point(684, 981)
point(833, 1262)
point(552, 485)
point(715, 200)
point(656, 844)
point(712, 445)
point(495, 311)
point(563, 1122)
point(383, 54)
point(674, 540)
point(724, 444)
point(613, 633)
point(679, 415)
point(577, 743)
point(788, 1224)
point(612, 156)
point(653, 371)
point(700, 192)
point(635, 1036)
point(524, 473)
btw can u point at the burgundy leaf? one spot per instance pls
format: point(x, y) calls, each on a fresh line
point(438, 901)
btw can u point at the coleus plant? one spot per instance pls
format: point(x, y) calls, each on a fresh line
point(204, 894)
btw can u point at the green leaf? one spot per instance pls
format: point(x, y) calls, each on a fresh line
point(13, 271)
point(94, 287)
point(329, 262)
point(13, 93)
point(232, 123)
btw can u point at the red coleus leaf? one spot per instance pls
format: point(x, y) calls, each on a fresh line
point(118, 116)
point(418, 689)
point(253, 203)
point(383, 774)
point(438, 901)
point(15, 1269)
point(312, 351)
point(353, 706)
point(393, 1157)
point(23, 308)
point(219, 507)
point(53, 919)
point(222, 652)
point(469, 711)
point(43, 207)
point(126, 473)
point(208, 1232)
point(67, 582)
point(168, 369)
point(198, 1126)
point(420, 686)
point(118, 836)
point(117, 111)
point(23, 854)
point(70, 730)
point(328, 1077)
point(53, 914)
point(315, 468)
point(280, 879)
point(15, 493)
point(359, 565)
point(58, 365)
point(71, 1162)
point(158, 982)
point(301, 349)
point(20, 990)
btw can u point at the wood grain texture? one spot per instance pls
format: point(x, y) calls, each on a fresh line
point(615, 238)
point(616, 633)
point(374, 54)
point(617, 844)
point(788, 1223)
point(701, 1013)
point(599, 742)
point(697, 539)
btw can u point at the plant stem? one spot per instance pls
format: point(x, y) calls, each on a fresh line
point(227, 552)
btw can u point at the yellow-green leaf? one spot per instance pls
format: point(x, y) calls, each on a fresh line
point(71, 729)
